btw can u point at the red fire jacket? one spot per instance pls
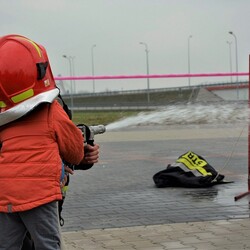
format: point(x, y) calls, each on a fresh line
point(32, 149)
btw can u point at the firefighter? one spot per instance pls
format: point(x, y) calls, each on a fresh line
point(35, 135)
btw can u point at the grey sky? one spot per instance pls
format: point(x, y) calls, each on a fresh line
point(118, 26)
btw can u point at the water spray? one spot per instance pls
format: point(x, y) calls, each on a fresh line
point(189, 114)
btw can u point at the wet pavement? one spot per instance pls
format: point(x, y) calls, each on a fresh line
point(118, 194)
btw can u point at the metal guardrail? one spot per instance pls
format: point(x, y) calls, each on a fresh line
point(133, 105)
point(141, 91)
point(116, 108)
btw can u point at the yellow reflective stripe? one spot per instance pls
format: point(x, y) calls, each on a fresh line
point(193, 162)
point(34, 44)
point(23, 96)
point(64, 190)
point(2, 104)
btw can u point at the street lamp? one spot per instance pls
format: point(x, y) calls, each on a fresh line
point(148, 87)
point(93, 69)
point(230, 58)
point(189, 59)
point(236, 58)
point(69, 58)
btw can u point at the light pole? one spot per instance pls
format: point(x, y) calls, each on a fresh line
point(189, 60)
point(236, 60)
point(230, 58)
point(147, 64)
point(93, 68)
point(73, 73)
point(71, 82)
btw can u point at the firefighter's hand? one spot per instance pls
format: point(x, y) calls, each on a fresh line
point(67, 172)
point(91, 154)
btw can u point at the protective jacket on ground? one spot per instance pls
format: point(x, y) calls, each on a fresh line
point(189, 170)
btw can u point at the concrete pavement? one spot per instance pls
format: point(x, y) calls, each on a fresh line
point(209, 235)
point(115, 205)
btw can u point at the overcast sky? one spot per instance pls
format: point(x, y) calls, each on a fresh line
point(117, 27)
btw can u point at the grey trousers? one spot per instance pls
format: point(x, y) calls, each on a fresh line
point(42, 223)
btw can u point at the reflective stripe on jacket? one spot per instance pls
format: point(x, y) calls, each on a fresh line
point(30, 157)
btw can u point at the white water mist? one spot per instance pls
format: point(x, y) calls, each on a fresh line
point(211, 113)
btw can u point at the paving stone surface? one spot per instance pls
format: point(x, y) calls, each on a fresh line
point(115, 205)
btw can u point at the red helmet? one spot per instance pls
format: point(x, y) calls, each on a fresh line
point(26, 79)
